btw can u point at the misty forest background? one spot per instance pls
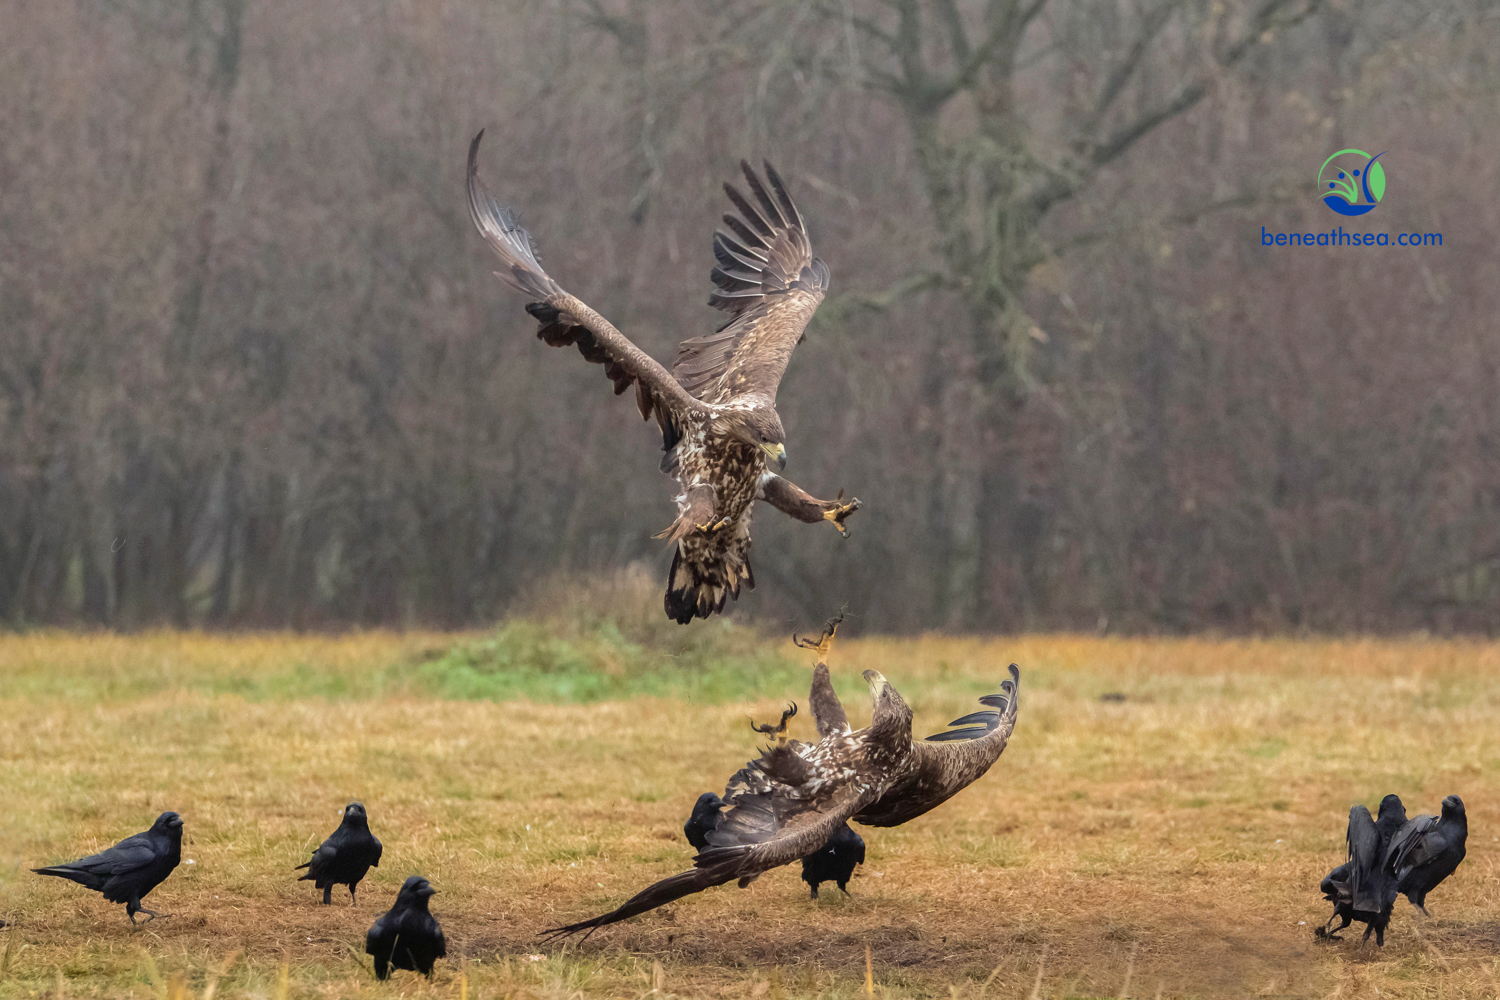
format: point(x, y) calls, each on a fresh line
point(254, 370)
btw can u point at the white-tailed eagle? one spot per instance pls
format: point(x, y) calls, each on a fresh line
point(788, 803)
point(717, 406)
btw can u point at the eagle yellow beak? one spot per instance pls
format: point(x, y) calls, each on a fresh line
point(876, 681)
point(777, 453)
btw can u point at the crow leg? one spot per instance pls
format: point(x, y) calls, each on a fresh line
point(814, 888)
point(351, 894)
point(328, 894)
point(134, 906)
point(1332, 933)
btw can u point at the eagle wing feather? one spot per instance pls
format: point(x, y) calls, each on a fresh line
point(567, 320)
point(949, 762)
point(768, 280)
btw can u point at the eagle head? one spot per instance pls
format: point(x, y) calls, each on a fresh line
point(760, 427)
point(890, 724)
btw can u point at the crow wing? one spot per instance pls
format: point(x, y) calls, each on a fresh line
point(567, 320)
point(129, 855)
point(1411, 846)
point(770, 283)
point(1364, 860)
point(949, 762)
point(1335, 885)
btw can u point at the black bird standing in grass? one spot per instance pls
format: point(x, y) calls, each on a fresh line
point(835, 860)
point(703, 820)
point(345, 857)
point(1427, 850)
point(407, 936)
point(130, 869)
point(1360, 888)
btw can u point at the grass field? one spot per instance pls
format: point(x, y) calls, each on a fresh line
point(1169, 844)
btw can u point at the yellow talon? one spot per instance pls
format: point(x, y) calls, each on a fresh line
point(713, 526)
point(824, 643)
point(835, 515)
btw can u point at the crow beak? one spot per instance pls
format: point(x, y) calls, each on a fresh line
point(777, 453)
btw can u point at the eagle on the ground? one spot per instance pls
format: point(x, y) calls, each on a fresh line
point(788, 802)
point(717, 406)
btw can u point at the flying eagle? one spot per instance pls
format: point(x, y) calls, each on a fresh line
point(717, 406)
point(788, 803)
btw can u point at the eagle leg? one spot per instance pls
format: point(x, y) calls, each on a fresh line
point(796, 502)
point(695, 511)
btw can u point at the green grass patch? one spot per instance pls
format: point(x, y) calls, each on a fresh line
point(714, 663)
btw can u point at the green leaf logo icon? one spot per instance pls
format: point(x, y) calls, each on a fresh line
point(1377, 181)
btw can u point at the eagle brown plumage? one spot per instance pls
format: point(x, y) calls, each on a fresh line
point(717, 407)
point(787, 803)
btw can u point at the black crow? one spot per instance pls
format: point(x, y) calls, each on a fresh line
point(130, 869)
point(1359, 889)
point(407, 936)
point(835, 860)
point(345, 857)
point(1427, 850)
point(704, 819)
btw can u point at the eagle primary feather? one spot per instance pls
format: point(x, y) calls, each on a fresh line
point(717, 407)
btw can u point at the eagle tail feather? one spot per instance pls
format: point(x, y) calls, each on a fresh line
point(698, 587)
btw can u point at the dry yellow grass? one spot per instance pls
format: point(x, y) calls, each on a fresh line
point(1169, 844)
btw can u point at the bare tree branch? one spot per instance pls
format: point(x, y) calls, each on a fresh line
point(1114, 83)
point(958, 39)
point(840, 307)
point(1064, 184)
point(1183, 217)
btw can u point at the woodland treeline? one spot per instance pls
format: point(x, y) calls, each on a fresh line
point(254, 370)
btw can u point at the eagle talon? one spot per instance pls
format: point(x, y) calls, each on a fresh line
point(823, 643)
point(713, 526)
point(778, 730)
point(836, 512)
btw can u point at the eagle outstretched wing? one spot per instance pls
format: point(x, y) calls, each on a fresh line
point(567, 320)
point(769, 282)
point(947, 763)
point(778, 809)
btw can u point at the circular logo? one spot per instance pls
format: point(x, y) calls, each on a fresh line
point(1351, 182)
